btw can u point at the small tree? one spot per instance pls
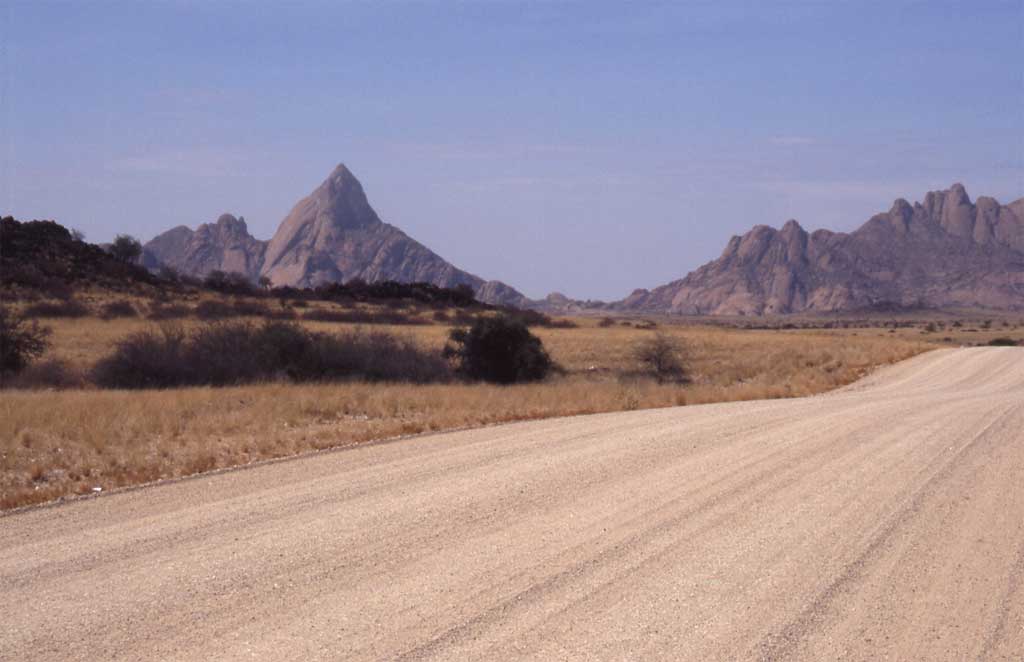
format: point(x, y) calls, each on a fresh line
point(77, 235)
point(126, 248)
point(170, 274)
point(264, 283)
point(498, 349)
point(216, 280)
point(662, 356)
point(20, 342)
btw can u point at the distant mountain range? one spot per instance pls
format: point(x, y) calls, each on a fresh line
point(331, 235)
point(943, 252)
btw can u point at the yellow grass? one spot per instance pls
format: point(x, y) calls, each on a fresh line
point(58, 443)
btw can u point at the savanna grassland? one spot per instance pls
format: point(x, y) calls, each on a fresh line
point(59, 442)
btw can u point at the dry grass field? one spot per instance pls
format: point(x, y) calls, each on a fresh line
point(56, 443)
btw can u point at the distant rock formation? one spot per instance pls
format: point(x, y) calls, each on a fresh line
point(332, 235)
point(943, 252)
point(225, 245)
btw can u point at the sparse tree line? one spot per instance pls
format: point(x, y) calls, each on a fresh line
point(495, 348)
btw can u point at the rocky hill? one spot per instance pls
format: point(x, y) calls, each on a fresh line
point(45, 257)
point(942, 252)
point(332, 235)
point(225, 245)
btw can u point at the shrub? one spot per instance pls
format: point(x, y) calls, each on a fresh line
point(47, 374)
point(20, 342)
point(239, 352)
point(116, 309)
point(233, 283)
point(67, 309)
point(606, 322)
point(498, 349)
point(249, 308)
point(378, 356)
point(662, 356)
point(361, 316)
point(126, 248)
point(161, 312)
point(147, 359)
point(280, 314)
point(170, 274)
point(1003, 342)
point(537, 318)
point(212, 309)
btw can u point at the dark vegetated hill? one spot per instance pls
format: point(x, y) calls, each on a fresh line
point(44, 257)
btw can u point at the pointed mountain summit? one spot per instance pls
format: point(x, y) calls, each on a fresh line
point(317, 222)
point(945, 251)
point(331, 235)
point(334, 234)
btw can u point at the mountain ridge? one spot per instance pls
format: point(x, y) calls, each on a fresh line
point(330, 235)
point(941, 252)
point(944, 251)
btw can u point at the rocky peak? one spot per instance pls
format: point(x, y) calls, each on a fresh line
point(232, 225)
point(226, 228)
point(223, 245)
point(754, 244)
point(901, 209)
point(951, 209)
point(342, 200)
point(333, 234)
point(944, 251)
point(791, 228)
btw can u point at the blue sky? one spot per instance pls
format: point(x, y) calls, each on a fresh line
point(589, 148)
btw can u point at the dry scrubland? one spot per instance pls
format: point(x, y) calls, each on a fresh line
point(58, 443)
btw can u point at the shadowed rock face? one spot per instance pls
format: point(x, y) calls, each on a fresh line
point(331, 235)
point(944, 251)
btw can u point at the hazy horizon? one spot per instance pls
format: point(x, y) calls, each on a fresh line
point(585, 148)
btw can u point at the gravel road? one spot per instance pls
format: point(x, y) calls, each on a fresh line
point(884, 521)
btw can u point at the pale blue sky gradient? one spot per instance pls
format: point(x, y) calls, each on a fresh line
point(589, 148)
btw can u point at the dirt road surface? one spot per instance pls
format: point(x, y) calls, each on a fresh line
point(881, 522)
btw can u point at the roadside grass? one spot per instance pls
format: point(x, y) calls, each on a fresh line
point(57, 443)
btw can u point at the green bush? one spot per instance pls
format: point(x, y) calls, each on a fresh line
point(20, 342)
point(498, 349)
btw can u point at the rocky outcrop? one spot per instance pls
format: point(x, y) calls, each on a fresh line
point(332, 235)
point(225, 245)
point(945, 251)
point(335, 235)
